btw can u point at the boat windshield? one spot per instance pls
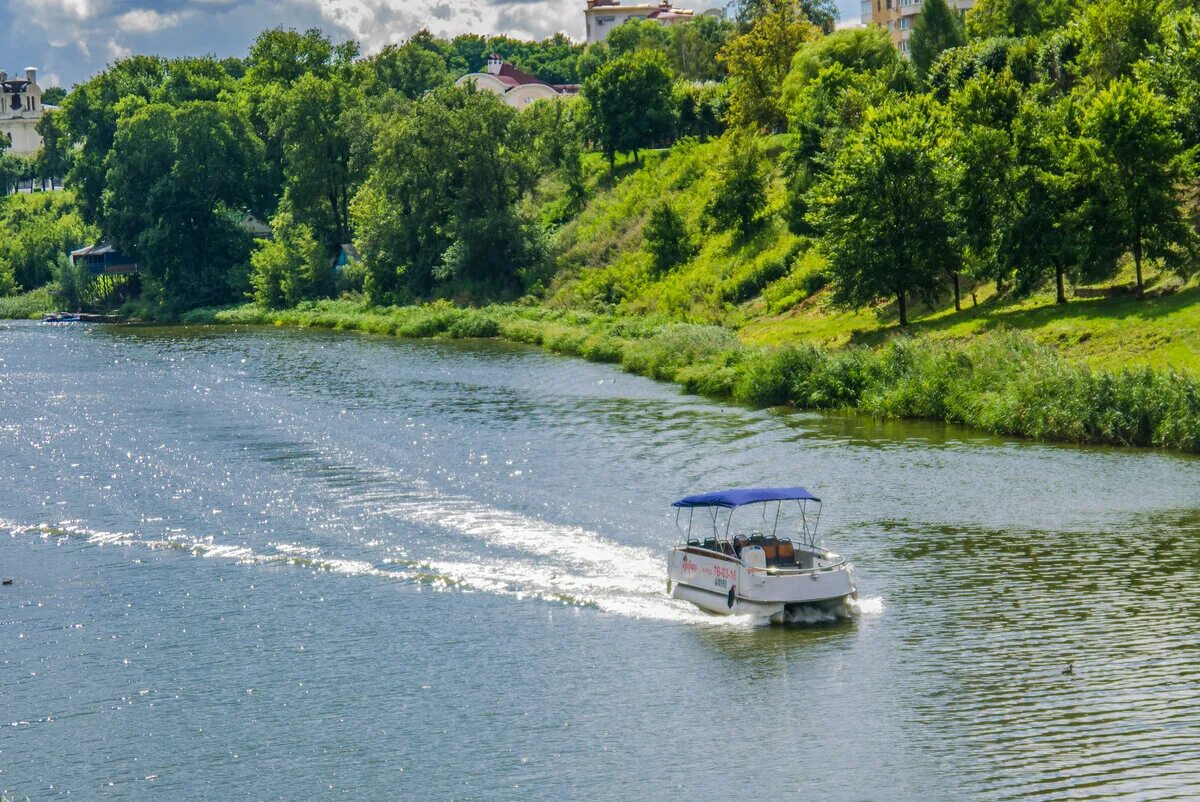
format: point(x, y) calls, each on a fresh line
point(783, 513)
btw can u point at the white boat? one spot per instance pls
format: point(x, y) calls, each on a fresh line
point(743, 570)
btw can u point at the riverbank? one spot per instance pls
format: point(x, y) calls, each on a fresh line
point(999, 381)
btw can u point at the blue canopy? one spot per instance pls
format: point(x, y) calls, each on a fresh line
point(745, 495)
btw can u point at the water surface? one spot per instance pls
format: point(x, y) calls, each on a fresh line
point(280, 564)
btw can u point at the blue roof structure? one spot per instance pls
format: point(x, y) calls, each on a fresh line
point(745, 495)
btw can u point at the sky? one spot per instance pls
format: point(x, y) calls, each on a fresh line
point(69, 40)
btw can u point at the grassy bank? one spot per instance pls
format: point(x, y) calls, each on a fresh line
point(998, 381)
point(769, 286)
point(28, 305)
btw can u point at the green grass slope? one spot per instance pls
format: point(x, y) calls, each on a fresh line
point(769, 288)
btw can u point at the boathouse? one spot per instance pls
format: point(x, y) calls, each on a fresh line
point(104, 259)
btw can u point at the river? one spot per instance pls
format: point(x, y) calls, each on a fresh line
point(281, 564)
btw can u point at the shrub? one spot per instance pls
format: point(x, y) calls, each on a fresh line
point(677, 346)
point(28, 305)
point(290, 268)
point(667, 238)
point(738, 200)
point(473, 324)
point(73, 284)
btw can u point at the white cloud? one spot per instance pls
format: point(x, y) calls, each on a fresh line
point(72, 9)
point(75, 38)
point(116, 51)
point(145, 20)
point(376, 23)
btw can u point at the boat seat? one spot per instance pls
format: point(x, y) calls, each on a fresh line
point(711, 545)
point(771, 550)
point(693, 542)
point(787, 553)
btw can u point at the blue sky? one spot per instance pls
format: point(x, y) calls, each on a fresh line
point(68, 40)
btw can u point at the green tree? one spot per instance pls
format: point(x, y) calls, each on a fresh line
point(823, 111)
point(759, 60)
point(554, 59)
point(822, 13)
point(881, 212)
point(980, 153)
point(667, 238)
point(315, 142)
point(187, 79)
point(867, 49)
point(988, 18)
point(54, 157)
point(291, 267)
point(740, 194)
point(631, 103)
point(701, 108)
point(1115, 35)
point(41, 226)
point(937, 28)
point(410, 69)
point(694, 47)
point(91, 111)
point(277, 60)
point(74, 284)
point(177, 180)
point(283, 56)
point(470, 51)
point(439, 207)
point(1043, 224)
point(53, 95)
point(1135, 160)
point(632, 36)
point(1172, 70)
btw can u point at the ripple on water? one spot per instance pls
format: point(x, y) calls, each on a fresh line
point(988, 566)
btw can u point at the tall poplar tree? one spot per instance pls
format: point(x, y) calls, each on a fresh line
point(937, 28)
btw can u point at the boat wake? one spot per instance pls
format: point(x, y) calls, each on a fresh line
point(556, 564)
point(848, 610)
point(629, 586)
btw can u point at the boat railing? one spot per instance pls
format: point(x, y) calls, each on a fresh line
point(836, 564)
point(816, 569)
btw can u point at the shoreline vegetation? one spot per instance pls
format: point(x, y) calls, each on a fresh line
point(1001, 231)
point(1000, 382)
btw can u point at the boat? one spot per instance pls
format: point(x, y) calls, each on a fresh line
point(79, 317)
point(738, 568)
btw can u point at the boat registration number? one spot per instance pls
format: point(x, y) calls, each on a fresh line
point(720, 573)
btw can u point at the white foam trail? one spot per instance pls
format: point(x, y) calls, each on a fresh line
point(622, 580)
point(301, 556)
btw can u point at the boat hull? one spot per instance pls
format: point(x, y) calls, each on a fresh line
point(726, 586)
point(720, 604)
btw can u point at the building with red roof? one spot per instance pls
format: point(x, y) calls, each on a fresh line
point(517, 88)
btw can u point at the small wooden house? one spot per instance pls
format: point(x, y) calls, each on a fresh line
point(104, 259)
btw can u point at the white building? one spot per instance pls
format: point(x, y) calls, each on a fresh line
point(518, 89)
point(20, 110)
point(604, 15)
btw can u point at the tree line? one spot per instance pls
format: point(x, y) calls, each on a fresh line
point(1021, 145)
